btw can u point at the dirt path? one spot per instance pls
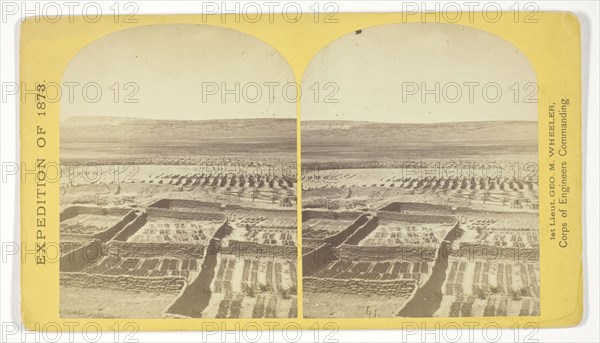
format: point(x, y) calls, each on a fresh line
point(196, 296)
point(428, 298)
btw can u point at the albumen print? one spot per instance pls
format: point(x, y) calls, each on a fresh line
point(180, 198)
point(420, 181)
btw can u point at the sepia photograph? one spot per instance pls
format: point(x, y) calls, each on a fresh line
point(298, 171)
point(178, 188)
point(420, 177)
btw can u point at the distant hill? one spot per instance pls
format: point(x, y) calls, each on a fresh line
point(351, 140)
point(461, 131)
point(107, 137)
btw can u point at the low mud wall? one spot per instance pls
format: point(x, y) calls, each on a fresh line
point(343, 235)
point(159, 212)
point(415, 207)
point(309, 245)
point(253, 249)
point(193, 205)
point(347, 215)
point(75, 238)
point(363, 231)
point(163, 285)
point(392, 288)
point(252, 211)
point(417, 218)
point(492, 253)
point(144, 250)
point(131, 228)
point(406, 252)
point(108, 234)
point(316, 259)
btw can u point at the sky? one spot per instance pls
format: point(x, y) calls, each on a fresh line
point(389, 73)
point(179, 72)
point(398, 73)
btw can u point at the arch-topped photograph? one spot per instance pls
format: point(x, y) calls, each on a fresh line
point(179, 167)
point(429, 149)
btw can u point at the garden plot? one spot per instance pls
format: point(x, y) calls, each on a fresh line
point(81, 225)
point(253, 288)
point(510, 238)
point(90, 221)
point(397, 232)
point(163, 226)
point(88, 224)
point(266, 227)
point(146, 267)
point(367, 270)
point(490, 288)
point(513, 230)
point(321, 228)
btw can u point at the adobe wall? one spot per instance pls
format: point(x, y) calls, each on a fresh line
point(405, 252)
point(67, 247)
point(343, 235)
point(242, 248)
point(417, 218)
point(108, 234)
point(392, 288)
point(104, 236)
point(145, 250)
point(416, 207)
point(327, 251)
point(310, 244)
point(346, 215)
point(316, 259)
point(163, 285)
point(131, 228)
point(252, 211)
point(185, 204)
point(75, 238)
point(362, 232)
point(214, 207)
point(186, 215)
